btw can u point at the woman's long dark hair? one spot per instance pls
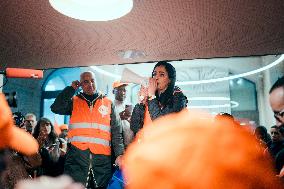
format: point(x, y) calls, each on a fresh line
point(262, 131)
point(52, 135)
point(165, 97)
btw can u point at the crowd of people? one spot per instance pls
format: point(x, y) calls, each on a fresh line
point(181, 149)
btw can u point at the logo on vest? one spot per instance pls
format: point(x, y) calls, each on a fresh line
point(103, 110)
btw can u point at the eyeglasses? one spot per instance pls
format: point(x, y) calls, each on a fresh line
point(279, 114)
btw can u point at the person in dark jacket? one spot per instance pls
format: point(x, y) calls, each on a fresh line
point(161, 97)
point(49, 147)
point(261, 134)
point(93, 130)
point(277, 143)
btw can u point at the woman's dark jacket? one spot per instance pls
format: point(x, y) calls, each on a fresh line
point(175, 103)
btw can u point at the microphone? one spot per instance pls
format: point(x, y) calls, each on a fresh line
point(23, 73)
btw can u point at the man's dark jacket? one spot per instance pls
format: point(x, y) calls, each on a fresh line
point(78, 161)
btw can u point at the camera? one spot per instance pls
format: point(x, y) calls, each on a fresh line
point(18, 119)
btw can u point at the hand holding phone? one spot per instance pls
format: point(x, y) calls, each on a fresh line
point(51, 147)
point(129, 107)
point(126, 114)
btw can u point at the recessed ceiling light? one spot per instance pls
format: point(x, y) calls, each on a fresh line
point(93, 10)
point(131, 54)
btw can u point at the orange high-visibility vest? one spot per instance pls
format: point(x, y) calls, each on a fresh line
point(90, 126)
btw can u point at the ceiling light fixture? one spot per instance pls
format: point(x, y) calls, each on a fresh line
point(201, 98)
point(93, 10)
point(278, 61)
point(233, 104)
point(131, 54)
point(181, 83)
point(215, 106)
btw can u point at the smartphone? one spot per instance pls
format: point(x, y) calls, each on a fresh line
point(51, 146)
point(129, 107)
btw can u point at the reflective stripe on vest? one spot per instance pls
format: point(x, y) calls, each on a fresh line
point(89, 126)
point(90, 140)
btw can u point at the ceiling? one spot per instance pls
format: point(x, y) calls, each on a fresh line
point(34, 35)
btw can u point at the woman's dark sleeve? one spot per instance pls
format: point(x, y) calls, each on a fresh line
point(179, 102)
point(137, 118)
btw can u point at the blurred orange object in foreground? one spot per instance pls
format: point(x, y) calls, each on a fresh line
point(11, 136)
point(192, 150)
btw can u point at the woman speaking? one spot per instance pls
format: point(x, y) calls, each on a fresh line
point(159, 98)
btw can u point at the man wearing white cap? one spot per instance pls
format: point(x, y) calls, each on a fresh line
point(123, 110)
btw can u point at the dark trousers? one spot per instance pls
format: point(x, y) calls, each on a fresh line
point(77, 165)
